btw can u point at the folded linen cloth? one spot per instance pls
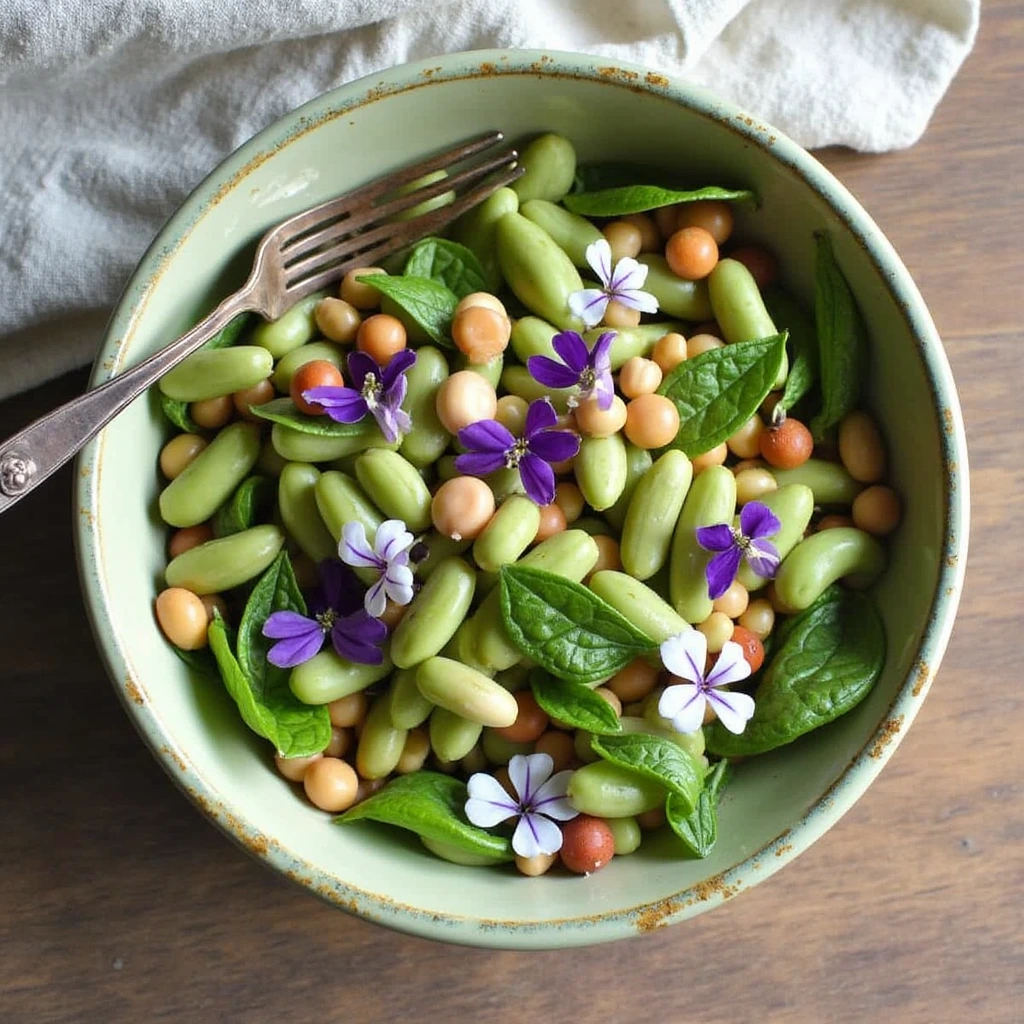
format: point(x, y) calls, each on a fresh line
point(96, 99)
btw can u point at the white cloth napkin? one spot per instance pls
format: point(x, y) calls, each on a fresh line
point(110, 112)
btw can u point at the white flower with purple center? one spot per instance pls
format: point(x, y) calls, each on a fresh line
point(389, 558)
point(685, 655)
point(587, 370)
point(622, 282)
point(540, 801)
point(732, 545)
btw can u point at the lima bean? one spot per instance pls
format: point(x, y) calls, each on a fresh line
point(327, 676)
point(550, 169)
point(292, 329)
point(638, 603)
point(288, 364)
point(465, 691)
point(452, 737)
point(829, 481)
point(226, 562)
point(688, 300)
point(395, 487)
point(821, 559)
point(439, 547)
point(296, 498)
point(477, 230)
point(407, 707)
point(653, 513)
point(571, 232)
point(490, 371)
point(601, 469)
point(457, 855)
point(638, 462)
point(794, 506)
point(341, 500)
point(427, 440)
point(509, 533)
point(532, 336)
point(607, 791)
point(210, 373)
point(516, 380)
point(296, 446)
point(380, 743)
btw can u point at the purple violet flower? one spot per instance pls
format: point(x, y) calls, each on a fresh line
point(623, 282)
point(389, 558)
point(379, 391)
point(684, 655)
point(757, 521)
point(590, 371)
point(492, 446)
point(335, 608)
point(540, 798)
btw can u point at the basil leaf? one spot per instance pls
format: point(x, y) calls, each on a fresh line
point(842, 341)
point(719, 390)
point(286, 412)
point(832, 655)
point(698, 829)
point(614, 202)
point(430, 304)
point(566, 628)
point(447, 263)
point(803, 371)
point(573, 704)
point(655, 758)
point(431, 805)
point(177, 412)
point(244, 507)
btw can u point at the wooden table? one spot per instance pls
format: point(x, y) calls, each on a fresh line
point(119, 903)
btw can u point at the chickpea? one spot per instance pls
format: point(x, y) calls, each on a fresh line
point(178, 453)
point(212, 413)
point(746, 442)
point(347, 712)
point(474, 761)
point(607, 554)
point(759, 618)
point(587, 844)
point(718, 628)
point(462, 507)
point(182, 617)
point(358, 294)
point(639, 376)
point(393, 613)
point(734, 601)
point(780, 607)
point(481, 334)
point(833, 522)
point(651, 821)
point(877, 510)
point(464, 398)
point(381, 336)
point(190, 537)
point(569, 498)
point(319, 373)
point(625, 239)
point(559, 747)
point(367, 787)
point(593, 421)
point(485, 299)
point(771, 400)
point(753, 649)
point(861, 448)
point(214, 603)
point(669, 351)
point(715, 457)
point(611, 699)
point(752, 484)
point(331, 784)
point(414, 753)
point(337, 319)
point(650, 236)
point(634, 682)
point(581, 744)
point(666, 219)
point(258, 394)
point(713, 215)
point(691, 253)
point(763, 266)
point(511, 413)
point(530, 723)
point(536, 865)
point(552, 521)
point(743, 464)
point(341, 740)
point(787, 445)
point(701, 343)
point(294, 768)
point(652, 421)
point(617, 314)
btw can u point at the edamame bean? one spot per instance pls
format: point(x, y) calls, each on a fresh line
point(380, 743)
point(211, 477)
point(632, 341)
point(210, 373)
point(226, 562)
point(509, 533)
point(427, 439)
point(821, 559)
point(605, 790)
point(341, 500)
point(794, 506)
point(407, 707)
point(292, 329)
point(688, 300)
point(465, 691)
point(712, 499)
point(296, 446)
point(532, 336)
point(653, 513)
point(395, 487)
point(327, 676)
point(313, 352)
point(550, 165)
point(638, 462)
point(516, 380)
point(638, 603)
point(477, 230)
point(457, 855)
point(601, 468)
point(296, 498)
point(829, 481)
point(452, 737)
point(435, 613)
point(571, 232)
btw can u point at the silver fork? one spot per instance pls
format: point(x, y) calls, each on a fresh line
point(294, 259)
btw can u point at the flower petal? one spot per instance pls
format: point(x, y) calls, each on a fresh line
point(392, 539)
point(599, 255)
point(716, 538)
point(398, 584)
point(589, 305)
point(352, 644)
point(676, 697)
point(550, 798)
point(343, 405)
point(730, 667)
point(734, 709)
point(721, 571)
point(551, 374)
point(280, 625)
point(528, 772)
point(684, 655)
point(490, 803)
point(758, 520)
point(629, 275)
point(402, 361)
point(554, 445)
point(296, 649)
point(634, 298)
point(354, 549)
point(341, 590)
point(359, 365)
point(540, 416)
point(691, 716)
point(572, 350)
point(536, 834)
point(538, 479)
point(376, 599)
point(486, 436)
point(480, 463)
point(763, 558)
point(601, 353)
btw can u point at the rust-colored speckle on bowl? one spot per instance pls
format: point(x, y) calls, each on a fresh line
point(781, 851)
point(655, 916)
point(133, 691)
point(488, 68)
point(923, 672)
point(889, 731)
point(620, 74)
point(175, 757)
point(653, 79)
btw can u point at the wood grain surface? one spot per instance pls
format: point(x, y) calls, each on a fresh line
point(118, 902)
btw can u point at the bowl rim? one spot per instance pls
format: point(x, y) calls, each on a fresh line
point(861, 769)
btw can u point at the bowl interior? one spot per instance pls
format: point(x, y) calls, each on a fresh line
point(779, 802)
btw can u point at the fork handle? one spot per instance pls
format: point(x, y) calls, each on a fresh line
point(29, 457)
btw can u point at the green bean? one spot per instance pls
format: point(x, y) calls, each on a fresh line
point(532, 336)
point(288, 364)
point(601, 469)
point(210, 373)
point(633, 341)
point(435, 614)
point(605, 790)
point(516, 380)
point(477, 230)
point(296, 446)
point(452, 737)
point(457, 855)
point(465, 691)
point(296, 498)
point(427, 440)
point(676, 296)
point(794, 506)
point(571, 232)
point(829, 481)
point(380, 743)
point(407, 707)
point(638, 603)
point(550, 165)
point(292, 329)
point(626, 835)
point(490, 371)
point(821, 559)
point(638, 462)
point(395, 487)
point(499, 750)
point(341, 500)
point(653, 513)
point(225, 562)
point(327, 676)
point(509, 533)
point(211, 477)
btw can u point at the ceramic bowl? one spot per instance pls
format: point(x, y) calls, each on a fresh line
point(780, 803)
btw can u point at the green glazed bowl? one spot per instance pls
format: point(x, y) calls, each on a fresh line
point(780, 803)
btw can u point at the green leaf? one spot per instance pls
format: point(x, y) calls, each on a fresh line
point(842, 341)
point(574, 704)
point(612, 174)
point(566, 628)
point(698, 829)
point(447, 263)
point(786, 312)
point(615, 202)
point(242, 510)
point(177, 412)
point(719, 390)
point(201, 661)
point(831, 656)
point(428, 303)
point(285, 411)
point(656, 758)
point(431, 805)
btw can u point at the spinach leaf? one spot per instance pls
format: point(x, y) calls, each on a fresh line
point(431, 805)
point(655, 758)
point(803, 371)
point(698, 829)
point(244, 507)
point(615, 202)
point(566, 628)
point(573, 704)
point(842, 341)
point(719, 390)
point(447, 263)
point(286, 412)
point(177, 412)
point(831, 656)
point(612, 174)
point(430, 304)
point(201, 661)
